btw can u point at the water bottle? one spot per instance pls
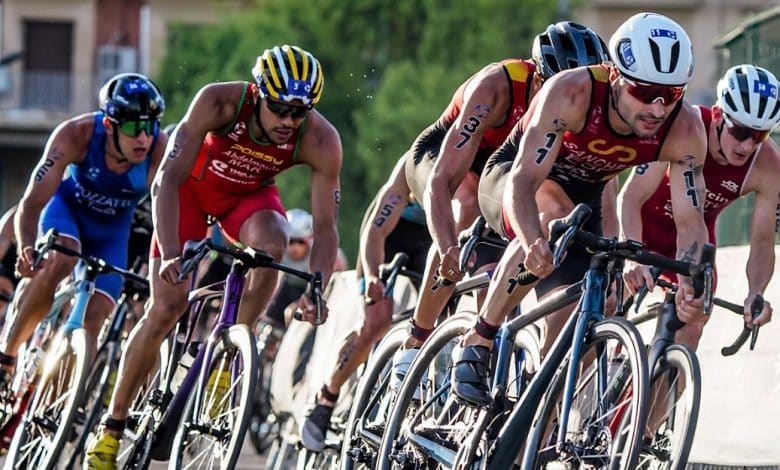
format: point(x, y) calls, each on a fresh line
point(184, 365)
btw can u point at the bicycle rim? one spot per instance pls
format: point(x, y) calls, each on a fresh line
point(598, 418)
point(48, 421)
point(436, 420)
point(365, 423)
point(215, 420)
point(674, 396)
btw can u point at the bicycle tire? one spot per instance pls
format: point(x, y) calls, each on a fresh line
point(451, 328)
point(537, 453)
point(50, 417)
point(366, 387)
point(670, 450)
point(240, 339)
point(93, 404)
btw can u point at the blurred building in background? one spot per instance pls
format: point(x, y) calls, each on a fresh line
point(55, 55)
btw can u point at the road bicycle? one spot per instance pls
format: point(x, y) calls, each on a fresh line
point(57, 367)
point(564, 416)
point(197, 414)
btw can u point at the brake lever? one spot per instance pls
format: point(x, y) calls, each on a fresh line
point(756, 307)
point(562, 245)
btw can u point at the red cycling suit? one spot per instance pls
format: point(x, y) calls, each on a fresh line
point(233, 177)
point(724, 184)
point(519, 73)
point(597, 153)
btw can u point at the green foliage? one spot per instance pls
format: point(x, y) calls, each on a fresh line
point(390, 68)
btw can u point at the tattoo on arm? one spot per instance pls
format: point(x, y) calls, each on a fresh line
point(176, 150)
point(560, 125)
point(387, 209)
point(337, 200)
point(777, 217)
point(542, 152)
point(687, 161)
point(690, 188)
point(468, 130)
point(54, 156)
point(689, 255)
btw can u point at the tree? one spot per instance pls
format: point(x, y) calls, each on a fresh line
point(390, 68)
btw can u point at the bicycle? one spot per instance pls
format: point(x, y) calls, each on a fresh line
point(193, 421)
point(372, 401)
point(676, 377)
point(562, 416)
point(58, 387)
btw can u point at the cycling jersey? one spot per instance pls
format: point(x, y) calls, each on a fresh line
point(233, 177)
point(95, 206)
point(597, 153)
point(724, 184)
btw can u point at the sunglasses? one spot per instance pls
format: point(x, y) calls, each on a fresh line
point(134, 128)
point(283, 110)
point(741, 133)
point(297, 241)
point(648, 93)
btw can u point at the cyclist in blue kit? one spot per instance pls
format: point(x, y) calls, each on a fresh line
point(94, 170)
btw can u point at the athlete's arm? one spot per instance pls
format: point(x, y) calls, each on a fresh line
point(609, 218)
point(67, 144)
point(559, 106)
point(761, 261)
point(384, 216)
point(485, 105)
point(321, 150)
point(642, 183)
point(157, 156)
point(213, 108)
point(685, 149)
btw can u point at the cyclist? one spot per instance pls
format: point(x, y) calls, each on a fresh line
point(393, 223)
point(739, 161)
point(221, 161)
point(8, 280)
point(94, 170)
point(480, 116)
point(586, 126)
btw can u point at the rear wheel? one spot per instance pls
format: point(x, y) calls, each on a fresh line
point(48, 422)
point(216, 418)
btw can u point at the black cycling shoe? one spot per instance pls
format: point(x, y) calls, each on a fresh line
point(470, 374)
point(315, 427)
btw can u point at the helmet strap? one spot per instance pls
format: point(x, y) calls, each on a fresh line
point(122, 158)
point(613, 104)
point(256, 113)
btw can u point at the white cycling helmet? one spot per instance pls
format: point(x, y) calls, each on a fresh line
point(652, 48)
point(301, 223)
point(749, 95)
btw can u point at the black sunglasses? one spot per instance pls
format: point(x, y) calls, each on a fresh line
point(283, 110)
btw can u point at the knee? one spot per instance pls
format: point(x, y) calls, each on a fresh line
point(690, 334)
point(161, 317)
point(57, 268)
point(375, 324)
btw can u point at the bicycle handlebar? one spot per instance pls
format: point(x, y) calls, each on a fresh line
point(100, 266)
point(389, 272)
point(195, 251)
point(468, 240)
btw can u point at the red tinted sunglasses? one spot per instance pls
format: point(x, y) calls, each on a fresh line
point(297, 241)
point(648, 94)
point(282, 110)
point(741, 133)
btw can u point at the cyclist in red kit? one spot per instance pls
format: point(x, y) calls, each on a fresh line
point(221, 162)
point(584, 127)
point(740, 160)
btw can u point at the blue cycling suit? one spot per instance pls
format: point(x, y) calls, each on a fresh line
point(95, 206)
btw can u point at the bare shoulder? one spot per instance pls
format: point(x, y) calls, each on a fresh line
point(75, 133)
point(221, 99)
point(687, 137)
point(566, 97)
point(768, 166)
point(321, 140)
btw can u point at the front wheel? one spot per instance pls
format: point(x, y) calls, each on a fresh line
point(216, 418)
point(48, 421)
point(675, 395)
point(608, 405)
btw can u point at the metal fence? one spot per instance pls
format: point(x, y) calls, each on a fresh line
point(60, 92)
point(757, 41)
